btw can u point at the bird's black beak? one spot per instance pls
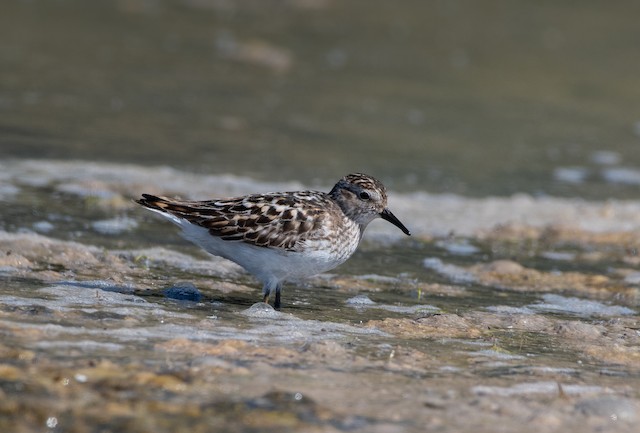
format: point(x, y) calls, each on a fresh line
point(387, 215)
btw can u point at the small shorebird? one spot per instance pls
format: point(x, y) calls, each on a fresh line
point(278, 236)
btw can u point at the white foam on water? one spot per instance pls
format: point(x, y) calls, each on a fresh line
point(160, 256)
point(84, 345)
point(454, 273)
point(605, 157)
point(43, 226)
point(507, 309)
point(581, 307)
point(99, 179)
point(287, 328)
point(632, 278)
point(91, 297)
point(622, 175)
point(114, 226)
point(8, 191)
point(261, 310)
point(361, 302)
point(558, 256)
point(529, 388)
point(612, 407)
point(423, 213)
point(574, 175)
point(460, 248)
point(496, 354)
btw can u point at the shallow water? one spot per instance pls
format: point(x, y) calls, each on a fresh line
point(103, 305)
point(446, 96)
point(505, 131)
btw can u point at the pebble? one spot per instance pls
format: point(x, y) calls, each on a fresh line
point(183, 291)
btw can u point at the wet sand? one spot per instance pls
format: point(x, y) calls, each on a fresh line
point(487, 322)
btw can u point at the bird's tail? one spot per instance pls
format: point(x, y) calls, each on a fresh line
point(163, 204)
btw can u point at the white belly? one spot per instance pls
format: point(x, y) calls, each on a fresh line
point(268, 264)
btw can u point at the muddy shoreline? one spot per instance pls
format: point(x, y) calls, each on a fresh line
point(122, 325)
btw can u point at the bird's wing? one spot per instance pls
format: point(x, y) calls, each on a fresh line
point(281, 220)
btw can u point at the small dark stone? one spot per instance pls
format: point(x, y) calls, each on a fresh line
point(183, 292)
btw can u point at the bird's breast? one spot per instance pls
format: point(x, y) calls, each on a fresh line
point(337, 242)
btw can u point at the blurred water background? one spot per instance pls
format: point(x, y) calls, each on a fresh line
point(458, 96)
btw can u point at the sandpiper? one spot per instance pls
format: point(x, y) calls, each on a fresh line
point(284, 235)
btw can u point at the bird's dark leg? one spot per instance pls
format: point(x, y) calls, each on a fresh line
point(266, 291)
point(268, 288)
point(276, 304)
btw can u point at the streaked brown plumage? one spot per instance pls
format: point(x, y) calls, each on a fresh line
point(277, 236)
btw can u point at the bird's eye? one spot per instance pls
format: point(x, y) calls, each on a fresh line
point(364, 195)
